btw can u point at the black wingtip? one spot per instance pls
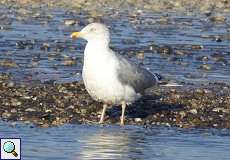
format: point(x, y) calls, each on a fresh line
point(158, 76)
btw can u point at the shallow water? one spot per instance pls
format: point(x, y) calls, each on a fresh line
point(128, 33)
point(79, 142)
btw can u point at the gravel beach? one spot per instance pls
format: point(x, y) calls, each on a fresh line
point(55, 104)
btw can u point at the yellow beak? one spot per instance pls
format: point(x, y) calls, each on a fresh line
point(75, 35)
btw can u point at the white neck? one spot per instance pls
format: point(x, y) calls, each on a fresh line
point(98, 42)
point(97, 48)
point(96, 54)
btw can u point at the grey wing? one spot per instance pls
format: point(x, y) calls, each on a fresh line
point(135, 76)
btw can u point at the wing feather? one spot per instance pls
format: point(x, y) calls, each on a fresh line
point(135, 76)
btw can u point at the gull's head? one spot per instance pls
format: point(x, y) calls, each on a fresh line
point(93, 32)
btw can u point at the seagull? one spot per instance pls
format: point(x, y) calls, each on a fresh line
point(109, 77)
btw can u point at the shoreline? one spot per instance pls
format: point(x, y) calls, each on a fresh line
point(101, 7)
point(48, 105)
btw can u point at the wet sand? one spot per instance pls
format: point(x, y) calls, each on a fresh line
point(55, 104)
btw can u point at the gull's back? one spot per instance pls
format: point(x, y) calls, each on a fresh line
point(135, 76)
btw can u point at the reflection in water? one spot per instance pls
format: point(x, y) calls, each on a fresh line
point(111, 145)
point(84, 142)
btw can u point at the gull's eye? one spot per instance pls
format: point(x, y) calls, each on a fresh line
point(92, 29)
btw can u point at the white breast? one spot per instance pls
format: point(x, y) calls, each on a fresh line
point(100, 78)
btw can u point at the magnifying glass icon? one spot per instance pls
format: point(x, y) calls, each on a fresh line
point(9, 147)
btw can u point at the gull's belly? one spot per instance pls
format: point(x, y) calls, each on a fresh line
point(103, 85)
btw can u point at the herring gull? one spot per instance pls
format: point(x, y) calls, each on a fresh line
point(109, 77)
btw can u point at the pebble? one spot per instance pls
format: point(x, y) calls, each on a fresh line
point(137, 120)
point(177, 52)
point(202, 58)
point(83, 111)
point(10, 84)
point(153, 47)
point(197, 47)
point(218, 57)
point(70, 22)
point(207, 91)
point(4, 28)
point(208, 13)
point(165, 50)
point(141, 55)
point(193, 111)
point(13, 110)
point(13, 124)
point(15, 102)
point(199, 91)
point(6, 115)
point(25, 44)
point(205, 67)
point(218, 39)
point(45, 46)
point(8, 64)
point(217, 109)
point(30, 110)
point(218, 18)
point(215, 125)
point(59, 48)
point(182, 114)
point(69, 62)
point(34, 64)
